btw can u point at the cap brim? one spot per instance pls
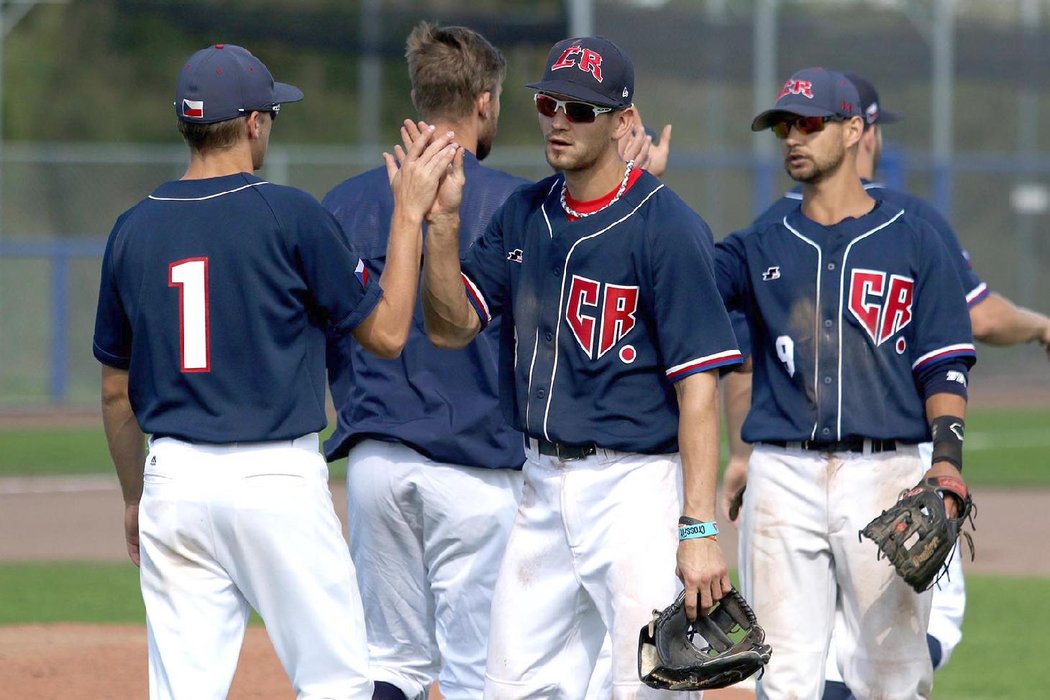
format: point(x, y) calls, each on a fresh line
point(771, 116)
point(576, 92)
point(283, 92)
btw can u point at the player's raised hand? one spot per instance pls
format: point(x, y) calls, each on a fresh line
point(450, 191)
point(703, 572)
point(647, 152)
point(415, 171)
point(636, 145)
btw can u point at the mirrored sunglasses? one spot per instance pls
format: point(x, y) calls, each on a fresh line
point(805, 125)
point(575, 112)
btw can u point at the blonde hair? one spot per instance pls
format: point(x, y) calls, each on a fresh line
point(449, 67)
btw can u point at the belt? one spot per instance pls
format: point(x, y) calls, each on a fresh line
point(850, 445)
point(562, 451)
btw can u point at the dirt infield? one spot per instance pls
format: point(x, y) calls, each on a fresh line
point(78, 519)
point(85, 662)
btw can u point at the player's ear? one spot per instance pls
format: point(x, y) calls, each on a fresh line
point(853, 131)
point(252, 125)
point(483, 104)
point(624, 121)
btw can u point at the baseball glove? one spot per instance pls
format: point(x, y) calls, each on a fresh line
point(917, 535)
point(717, 650)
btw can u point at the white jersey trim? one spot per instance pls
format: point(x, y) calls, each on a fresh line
point(473, 290)
point(210, 196)
point(842, 296)
point(946, 350)
point(725, 354)
point(976, 292)
point(561, 298)
point(816, 322)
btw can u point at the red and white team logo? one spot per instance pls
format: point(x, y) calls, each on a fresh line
point(585, 59)
point(796, 87)
point(600, 315)
point(882, 303)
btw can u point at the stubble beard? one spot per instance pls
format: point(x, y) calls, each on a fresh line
point(818, 170)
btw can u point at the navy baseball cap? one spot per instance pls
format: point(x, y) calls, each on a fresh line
point(869, 102)
point(590, 69)
point(812, 92)
point(225, 82)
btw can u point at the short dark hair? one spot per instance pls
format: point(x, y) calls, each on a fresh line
point(212, 137)
point(449, 67)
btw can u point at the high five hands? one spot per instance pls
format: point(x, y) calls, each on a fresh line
point(426, 171)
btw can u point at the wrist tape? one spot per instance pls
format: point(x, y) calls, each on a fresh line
point(947, 432)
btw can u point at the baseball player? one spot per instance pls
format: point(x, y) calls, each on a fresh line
point(215, 294)
point(612, 331)
point(861, 348)
point(995, 320)
point(433, 475)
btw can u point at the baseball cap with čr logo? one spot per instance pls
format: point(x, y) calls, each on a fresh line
point(591, 69)
point(225, 81)
point(812, 92)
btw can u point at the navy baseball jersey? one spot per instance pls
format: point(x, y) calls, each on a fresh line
point(843, 320)
point(975, 289)
point(601, 316)
point(442, 403)
point(229, 284)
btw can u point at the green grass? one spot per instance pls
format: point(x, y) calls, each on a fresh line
point(1004, 448)
point(62, 451)
point(1007, 447)
point(1002, 653)
point(70, 592)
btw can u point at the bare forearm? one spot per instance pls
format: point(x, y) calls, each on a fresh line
point(737, 402)
point(945, 405)
point(998, 321)
point(698, 443)
point(385, 331)
point(127, 446)
point(450, 319)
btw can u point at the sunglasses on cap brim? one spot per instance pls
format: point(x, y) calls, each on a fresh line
point(575, 112)
point(805, 125)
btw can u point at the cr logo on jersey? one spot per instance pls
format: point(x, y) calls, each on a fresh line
point(882, 307)
point(590, 61)
point(600, 309)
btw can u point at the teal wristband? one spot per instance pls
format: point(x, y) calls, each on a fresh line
point(696, 530)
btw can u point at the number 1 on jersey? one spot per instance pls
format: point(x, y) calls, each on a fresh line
point(191, 277)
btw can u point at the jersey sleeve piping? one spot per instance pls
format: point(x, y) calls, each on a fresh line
point(372, 294)
point(703, 364)
point(109, 359)
point(947, 352)
point(977, 295)
point(477, 300)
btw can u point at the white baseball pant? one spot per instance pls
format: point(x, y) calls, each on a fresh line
point(803, 561)
point(427, 538)
point(592, 550)
point(227, 528)
point(947, 606)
